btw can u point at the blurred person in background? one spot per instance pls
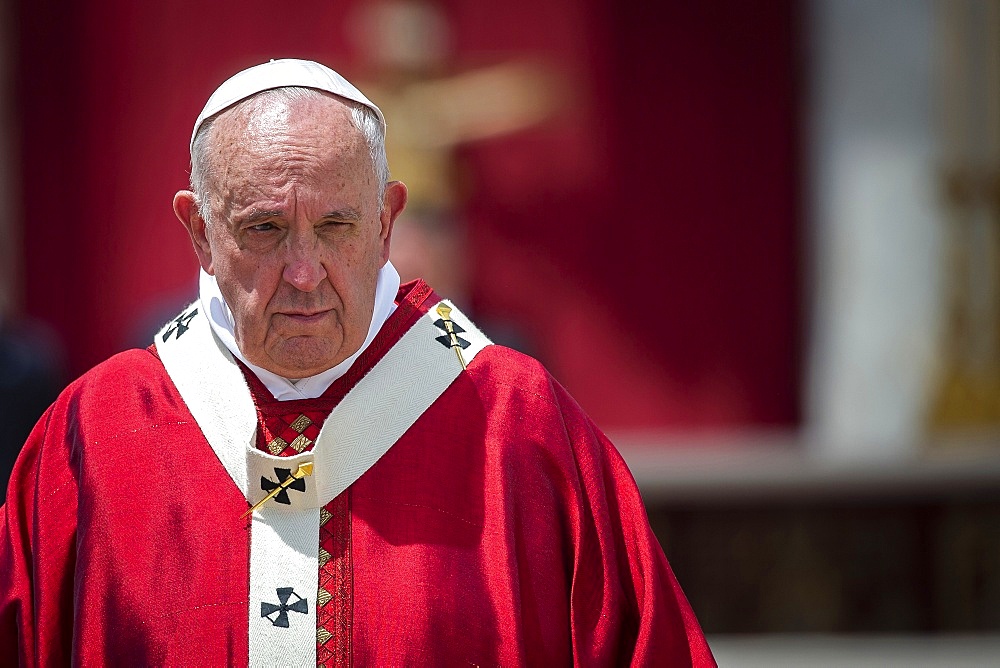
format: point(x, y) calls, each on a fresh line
point(30, 379)
point(314, 464)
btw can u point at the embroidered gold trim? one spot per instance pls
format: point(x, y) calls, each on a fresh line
point(324, 516)
point(323, 596)
point(300, 423)
point(324, 557)
point(300, 443)
point(277, 445)
point(322, 635)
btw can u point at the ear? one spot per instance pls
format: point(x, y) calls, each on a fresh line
point(186, 210)
point(393, 203)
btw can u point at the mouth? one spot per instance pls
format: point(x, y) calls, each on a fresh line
point(306, 317)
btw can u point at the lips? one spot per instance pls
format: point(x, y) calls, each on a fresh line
point(306, 317)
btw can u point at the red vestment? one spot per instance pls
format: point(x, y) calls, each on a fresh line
point(502, 529)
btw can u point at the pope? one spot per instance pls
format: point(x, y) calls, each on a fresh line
point(314, 465)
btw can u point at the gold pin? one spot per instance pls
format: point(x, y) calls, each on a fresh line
point(305, 469)
point(445, 312)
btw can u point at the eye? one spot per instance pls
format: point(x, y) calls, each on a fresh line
point(262, 227)
point(333, 224)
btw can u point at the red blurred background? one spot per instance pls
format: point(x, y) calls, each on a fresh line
point(646, 242)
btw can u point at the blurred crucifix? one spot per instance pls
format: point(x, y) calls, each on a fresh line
point(431, 112)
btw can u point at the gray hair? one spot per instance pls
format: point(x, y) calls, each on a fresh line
point(363, 116)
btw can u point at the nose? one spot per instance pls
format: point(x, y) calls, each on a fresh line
point(304, 268)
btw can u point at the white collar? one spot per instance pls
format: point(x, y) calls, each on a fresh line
point(221, 320)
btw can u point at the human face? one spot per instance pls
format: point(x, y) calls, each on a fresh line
point(296, 238)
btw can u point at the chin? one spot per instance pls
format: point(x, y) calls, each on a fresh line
point(301, 358)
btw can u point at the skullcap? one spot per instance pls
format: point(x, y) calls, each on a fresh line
point(279, 74)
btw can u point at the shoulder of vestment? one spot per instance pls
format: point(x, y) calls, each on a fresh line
point(127, 388)
point(499, 365)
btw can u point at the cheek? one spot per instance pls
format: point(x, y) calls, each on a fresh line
point(359, 271)
point(248, 290)
point(256, 279)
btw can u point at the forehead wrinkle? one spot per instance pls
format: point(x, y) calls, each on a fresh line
point(267, 146)
point(247, 193)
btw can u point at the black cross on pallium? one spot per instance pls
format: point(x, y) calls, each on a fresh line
point(283, 606)
point(299, 485)
point(446, 338)
point(180, 324)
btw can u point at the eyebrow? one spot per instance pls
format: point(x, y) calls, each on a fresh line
point(261, 214)
point(344, 214)
point(347, 213)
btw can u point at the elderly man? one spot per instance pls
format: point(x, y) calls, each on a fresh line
point(314, 465)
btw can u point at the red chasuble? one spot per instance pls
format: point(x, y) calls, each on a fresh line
point(502, 529)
